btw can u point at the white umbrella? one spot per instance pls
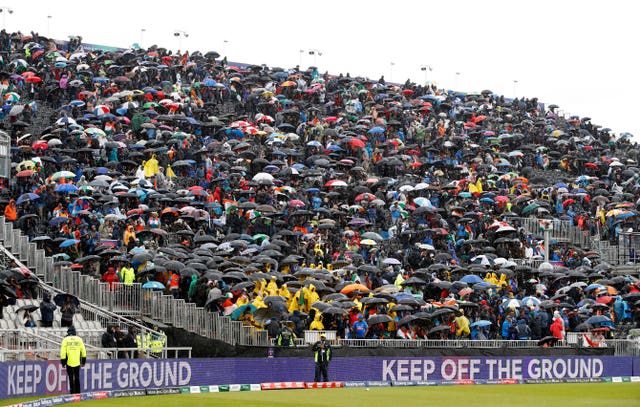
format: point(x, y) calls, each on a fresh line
point(263, 177)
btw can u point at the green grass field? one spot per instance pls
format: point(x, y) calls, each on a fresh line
point(529, 395)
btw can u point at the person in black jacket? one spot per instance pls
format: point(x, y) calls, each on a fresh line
point(109, 339)
point(129, 341)
point(47, 309)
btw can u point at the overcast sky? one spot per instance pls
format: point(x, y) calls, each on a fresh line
point(580, 55)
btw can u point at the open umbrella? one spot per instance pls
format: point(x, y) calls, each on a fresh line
point(480, 323)
point(28, 308)
point(69, 242)
point(378, 319)
point(61, 299)
point(354, 287)
point(153, 285)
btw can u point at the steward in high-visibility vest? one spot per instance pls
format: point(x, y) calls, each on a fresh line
point(73, 355)
point(157, 341)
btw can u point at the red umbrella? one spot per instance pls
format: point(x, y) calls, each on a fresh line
point(407, 92)
point(37, 54)
point(33, 79)
point(335, 183)
point(40, 145)
point(356, 143)
point(365, 196)
point(25, 173)
point(605, 299)
point(568, 202)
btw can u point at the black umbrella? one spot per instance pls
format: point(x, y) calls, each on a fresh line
point(61, 299)
point(28, 308)
point(548, 341)
point(439, 328)
point(379, 318)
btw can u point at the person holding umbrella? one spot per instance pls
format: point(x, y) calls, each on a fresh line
point(322, 357)
point(68, 309)
point(73, 355)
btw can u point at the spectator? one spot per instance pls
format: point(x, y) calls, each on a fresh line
point(108, 338)
point(47, 310)
point(360, 328)
point(68, 310)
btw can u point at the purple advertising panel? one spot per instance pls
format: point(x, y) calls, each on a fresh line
point(46, 378)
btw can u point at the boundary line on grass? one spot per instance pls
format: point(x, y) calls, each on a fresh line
point(223, 388)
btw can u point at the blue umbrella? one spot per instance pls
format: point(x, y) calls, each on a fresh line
point(376, 130)
point(69, 242)
point(57, 221)
point(471, 279)
point(531, 302)
point(594, 287)
point(66, 188)
point(600, 321)
point(153, 285)
point(29, 196)
point(235, 315)
point(209, 82)
point(480, 323)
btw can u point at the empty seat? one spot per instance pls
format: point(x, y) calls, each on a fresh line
point(95, 325)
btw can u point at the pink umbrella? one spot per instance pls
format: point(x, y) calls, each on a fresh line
point(296, 203)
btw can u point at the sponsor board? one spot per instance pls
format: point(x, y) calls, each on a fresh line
point(47, 378)
point(163, 390)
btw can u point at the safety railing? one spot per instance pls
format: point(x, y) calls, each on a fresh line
point(145, 352)
point(563, 231)
point(622, 347)
point(26, 338)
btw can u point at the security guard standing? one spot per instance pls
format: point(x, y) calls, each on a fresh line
point(322, 351)
point(72, 356)
point(157, 341)
point(142, 340)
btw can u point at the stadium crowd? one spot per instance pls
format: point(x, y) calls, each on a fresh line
point(333, 202)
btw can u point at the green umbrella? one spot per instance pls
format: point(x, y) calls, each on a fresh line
point(530, 207)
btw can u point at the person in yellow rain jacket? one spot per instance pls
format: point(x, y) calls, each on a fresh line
point(73, 355)
point(272, 287)
point(284, 292)
point(317, 324)
point(151, 167)
point(310, 296)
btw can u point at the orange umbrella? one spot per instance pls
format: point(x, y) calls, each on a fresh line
point(288, 83)
point(354, 287)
